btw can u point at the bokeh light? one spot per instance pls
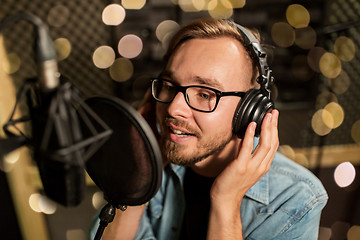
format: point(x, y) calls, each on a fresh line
point(340, 84)
point(324, 98)
point(339, 230)
point(166, 27)
point(344, 174)
point(58, 16)
point(297, 16)
point(41, 203)
point(11, 63)
point(287, 151)
point(113, 14)
point(324, 233)
point(133, 4)
point(354, 233)
point(355, 131)
point(10, 161)
point(130, 46)
point(305, 38)
point(238, 3)
point(63, 48)
point(191, 5)
point(282, 34)
point(103, 57)
point(314, 56)
point(98, 200)
point(121, 70)
point(220, 9)
point(330, 65)
point(34, 200)
point(337, 115)
point(317, 122)
point(344, 48)
point(46, 205)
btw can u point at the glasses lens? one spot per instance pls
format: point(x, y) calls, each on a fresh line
point(201, 98)
point(163, 91)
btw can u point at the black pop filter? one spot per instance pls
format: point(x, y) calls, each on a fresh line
point(128, 167)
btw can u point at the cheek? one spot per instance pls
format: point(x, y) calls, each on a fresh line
point(220, 120)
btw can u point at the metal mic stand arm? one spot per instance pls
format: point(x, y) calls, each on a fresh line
point(106, 216)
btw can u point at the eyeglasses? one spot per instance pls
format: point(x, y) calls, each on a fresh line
point(200, 98)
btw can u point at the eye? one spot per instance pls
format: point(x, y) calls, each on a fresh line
point(205, 94)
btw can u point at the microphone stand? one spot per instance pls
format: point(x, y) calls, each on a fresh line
point(106, 216)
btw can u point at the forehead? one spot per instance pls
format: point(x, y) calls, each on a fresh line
point(221, 62)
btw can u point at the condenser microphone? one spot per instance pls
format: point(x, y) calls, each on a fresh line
point(59, 148)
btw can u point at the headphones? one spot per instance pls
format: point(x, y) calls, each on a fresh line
point(256, 102)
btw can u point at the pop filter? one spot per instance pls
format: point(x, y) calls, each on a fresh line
point(128, 167)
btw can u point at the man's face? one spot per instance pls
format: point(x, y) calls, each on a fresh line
point(189, 136)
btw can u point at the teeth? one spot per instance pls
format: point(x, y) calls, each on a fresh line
point(178, 132)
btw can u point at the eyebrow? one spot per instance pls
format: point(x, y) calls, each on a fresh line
point(199, 80)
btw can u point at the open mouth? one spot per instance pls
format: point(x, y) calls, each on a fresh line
point(180, 133)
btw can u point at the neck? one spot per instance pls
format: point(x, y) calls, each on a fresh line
point(214, 164)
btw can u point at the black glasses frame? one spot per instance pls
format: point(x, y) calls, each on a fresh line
point(183, 89)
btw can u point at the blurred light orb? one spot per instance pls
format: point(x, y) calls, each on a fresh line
point(355, 131)
point(220, 9)
point(121, 70)
point(58, 16)
point(133, 4)
point(166, 27)
point(46, 205)
point(287, 150)
point(113, 14)
point(330, 65)
point(314, 56)
point(103, 57)
point(317, 122)
point(305, 38)
point(34, 200)
point(130, 46)
point(282, 34)
point(324, 98)
point(344, 174)
point(11, 63)
point(238, 3)
point(344, 48)
point(354, 233)
point(191, 5)
point(297, 16)
point(337, 114)
point(63, 48)
point(98, 200)
point(340, 84)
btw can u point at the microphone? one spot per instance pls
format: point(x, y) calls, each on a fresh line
point(60, 150)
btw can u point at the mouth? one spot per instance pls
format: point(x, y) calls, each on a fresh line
point(180, 133)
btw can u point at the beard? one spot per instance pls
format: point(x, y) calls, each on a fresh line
point(183, 155)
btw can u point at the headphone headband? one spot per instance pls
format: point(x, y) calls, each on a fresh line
point(253, 45)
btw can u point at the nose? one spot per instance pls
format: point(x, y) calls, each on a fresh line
point(178, 107)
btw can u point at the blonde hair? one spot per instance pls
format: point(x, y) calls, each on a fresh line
point(210, 28)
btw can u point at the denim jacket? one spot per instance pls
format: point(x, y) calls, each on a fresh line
point(286, 203)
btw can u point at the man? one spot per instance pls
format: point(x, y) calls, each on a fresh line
point(215, 184)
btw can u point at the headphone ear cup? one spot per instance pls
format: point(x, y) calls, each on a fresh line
point(252, 108)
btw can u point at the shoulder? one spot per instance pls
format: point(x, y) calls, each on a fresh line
point(285, 203)
point(286, 175)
